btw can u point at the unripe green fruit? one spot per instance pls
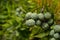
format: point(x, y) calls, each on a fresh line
point(28, 15)
point(45, 26)
point(41, 16)
point(57, 28)
point(56, 35)
point(52, 32)
point(52, 39)
point(50, 21)
point(34, 15)
point(47, 15)
point(38, 22)
point(30, 22)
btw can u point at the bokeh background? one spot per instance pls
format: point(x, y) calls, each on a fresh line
point(12, 13)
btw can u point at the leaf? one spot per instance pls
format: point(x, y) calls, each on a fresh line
point(41, 35)
point(34, 30)
point(6, 25)
point(45, 38)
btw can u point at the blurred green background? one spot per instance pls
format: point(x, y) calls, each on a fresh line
point(12, 13)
